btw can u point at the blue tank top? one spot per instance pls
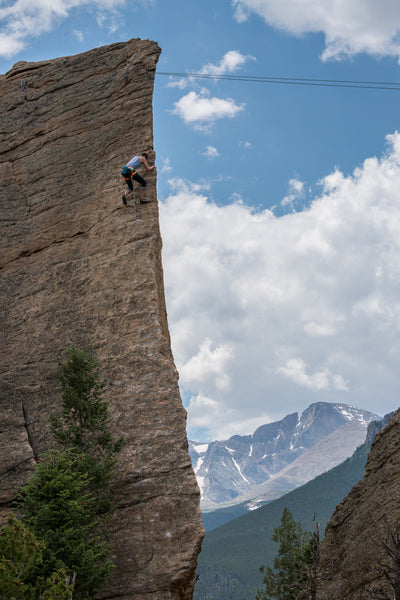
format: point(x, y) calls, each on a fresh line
point(134, 163)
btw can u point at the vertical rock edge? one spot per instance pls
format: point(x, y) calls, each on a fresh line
point(76, 246)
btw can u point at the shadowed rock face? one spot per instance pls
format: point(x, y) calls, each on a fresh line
point(352, 545)
point(78, 266)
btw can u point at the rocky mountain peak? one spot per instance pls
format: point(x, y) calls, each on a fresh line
point(232, 470)
point(322, 418)
point(274, 431)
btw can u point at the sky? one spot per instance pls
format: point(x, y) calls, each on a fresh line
point(279, 202)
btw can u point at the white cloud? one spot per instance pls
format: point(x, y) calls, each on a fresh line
point(203, 409)
point(205, 412)
point(24, 19)
point(297, 370)
point(200, 110)
point(296, 185)
point(314, 329)
point(241, 12)
point(166, 165)
point(370, 26)
point(181, 83)
point(208, 364)
point(10, 44)
point(184, 186)
point(211, 152)
point(79, 35)
point(296, 191)
point(245, 145)
point(299, 308)
point(230, 62)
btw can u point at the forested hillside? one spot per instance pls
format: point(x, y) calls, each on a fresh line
point(228, 566)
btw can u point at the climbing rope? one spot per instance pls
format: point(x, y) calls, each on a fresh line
point(145, 545)
point(126, 79)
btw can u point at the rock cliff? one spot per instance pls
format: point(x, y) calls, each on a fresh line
point(353, 538)
point(78, 266)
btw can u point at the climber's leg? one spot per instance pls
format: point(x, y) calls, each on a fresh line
point(127, 178)
point(143, 184)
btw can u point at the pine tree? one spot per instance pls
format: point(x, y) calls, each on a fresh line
point(287, 578)
point(388, 568)
point(57, 506)
point(69, 497)
point(85, 422)
point(21, 575)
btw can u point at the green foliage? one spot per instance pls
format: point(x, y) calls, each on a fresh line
point(286, 579)
point(215, 518)
point(21, 576)
point(222, 583)
point(67, 500)
point(241, 545)
point(85, 423)
point(57, 505)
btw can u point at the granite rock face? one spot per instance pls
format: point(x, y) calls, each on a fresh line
point(78, 266)
point(353, 538)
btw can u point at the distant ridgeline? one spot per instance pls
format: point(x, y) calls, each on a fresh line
point(228, 566)
point(254, 469)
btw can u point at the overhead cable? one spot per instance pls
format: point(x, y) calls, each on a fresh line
point(370, 85)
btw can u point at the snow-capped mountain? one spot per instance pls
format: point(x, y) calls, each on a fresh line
point(258, 465)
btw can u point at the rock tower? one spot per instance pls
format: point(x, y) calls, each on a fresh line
point(352, 547)
point(78, 266)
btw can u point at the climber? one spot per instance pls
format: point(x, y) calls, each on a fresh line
point(129, 172)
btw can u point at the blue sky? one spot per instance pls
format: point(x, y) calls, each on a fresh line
point(279, 204)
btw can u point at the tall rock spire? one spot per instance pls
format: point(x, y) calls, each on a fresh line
point(79, 266)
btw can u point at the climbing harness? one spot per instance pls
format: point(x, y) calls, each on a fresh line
point(127, 172)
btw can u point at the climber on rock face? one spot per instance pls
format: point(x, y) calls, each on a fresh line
point(129, 172)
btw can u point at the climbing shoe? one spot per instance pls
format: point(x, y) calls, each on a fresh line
point(124, 200)
point(144, 201)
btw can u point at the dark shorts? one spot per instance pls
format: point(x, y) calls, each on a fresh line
point(128, 174)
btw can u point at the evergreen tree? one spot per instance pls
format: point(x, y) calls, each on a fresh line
point(287, 578)
point(85, 422)
point(388, 568)
point(57, 506)
point(21, 576)
point(70, 490)
point(312, 558)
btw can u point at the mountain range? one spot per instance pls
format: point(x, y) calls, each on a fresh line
point(228, 565)
point(277, 457)
point(238, 541)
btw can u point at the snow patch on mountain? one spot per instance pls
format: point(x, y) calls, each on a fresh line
point(198, 465)
point(227, 469)
point(240, 470)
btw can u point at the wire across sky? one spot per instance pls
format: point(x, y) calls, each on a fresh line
point(369, 85)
